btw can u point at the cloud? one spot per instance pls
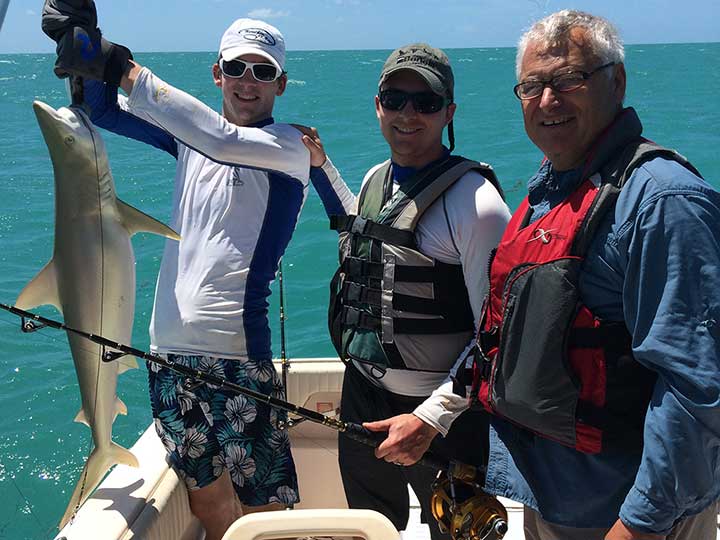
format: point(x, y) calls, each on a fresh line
point(30, 12)
point(267, 13)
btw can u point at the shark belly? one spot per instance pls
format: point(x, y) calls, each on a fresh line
point(96, 289)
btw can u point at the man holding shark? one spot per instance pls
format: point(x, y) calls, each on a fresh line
point(240, 184)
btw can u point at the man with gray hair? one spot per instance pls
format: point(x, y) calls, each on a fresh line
point(599, 346)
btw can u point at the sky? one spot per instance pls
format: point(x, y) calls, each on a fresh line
point(196, 25)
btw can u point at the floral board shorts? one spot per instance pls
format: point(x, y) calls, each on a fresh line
point(207, 430)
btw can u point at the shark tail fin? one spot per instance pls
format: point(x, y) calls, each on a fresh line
point(41, 290)
point(99, 463)
point(136, 221)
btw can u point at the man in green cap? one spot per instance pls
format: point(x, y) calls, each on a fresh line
point(406, 298)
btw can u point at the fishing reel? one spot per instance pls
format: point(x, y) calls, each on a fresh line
point(464, 510)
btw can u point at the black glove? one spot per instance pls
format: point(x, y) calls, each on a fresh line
point(85, 53)
point(81, 49)
point(58, 16)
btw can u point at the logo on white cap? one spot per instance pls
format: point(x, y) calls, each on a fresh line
point(257, 34)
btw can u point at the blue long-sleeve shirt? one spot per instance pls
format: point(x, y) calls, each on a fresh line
point(655, 264)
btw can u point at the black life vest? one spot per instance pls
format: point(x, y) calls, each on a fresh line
point(390, 305)
point(545, 362)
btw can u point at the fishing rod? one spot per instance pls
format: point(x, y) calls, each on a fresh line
point(284, 360)
point(350, 429)
point(470, 515)
point(284, 363)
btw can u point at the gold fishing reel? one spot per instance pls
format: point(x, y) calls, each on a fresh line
point(464, 510)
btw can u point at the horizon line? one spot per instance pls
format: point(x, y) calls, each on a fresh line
point(379, 49)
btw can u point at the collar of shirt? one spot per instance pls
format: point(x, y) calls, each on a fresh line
point(401, 174)
point(262, 123)
point(548, 188)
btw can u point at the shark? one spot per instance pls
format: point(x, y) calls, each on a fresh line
point(90, 278)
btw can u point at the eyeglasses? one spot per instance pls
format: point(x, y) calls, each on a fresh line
point(564, 82)
point(423, 102)
point(262, 72)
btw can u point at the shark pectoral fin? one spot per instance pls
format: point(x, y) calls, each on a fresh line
point(41, 290)
point(81, 418)
point(136, 221)
point(99, 463)
point(127, 363)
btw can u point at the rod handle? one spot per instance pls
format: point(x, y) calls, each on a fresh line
point(373, 438)
point(360, 434)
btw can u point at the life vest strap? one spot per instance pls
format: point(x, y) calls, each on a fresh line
point(354, 293)
point(355, 267)
point(370, 229)
point(359, 293)
point(359, 318)
point(359, 269)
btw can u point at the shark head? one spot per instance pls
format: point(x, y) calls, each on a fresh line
point(77, 151)
point(70, 137)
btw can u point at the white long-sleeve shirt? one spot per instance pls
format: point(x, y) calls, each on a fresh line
point(238, 193)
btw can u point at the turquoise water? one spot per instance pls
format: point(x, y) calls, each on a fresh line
point(673, 87)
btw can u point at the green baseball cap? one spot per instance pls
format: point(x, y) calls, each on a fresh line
point(430, 63)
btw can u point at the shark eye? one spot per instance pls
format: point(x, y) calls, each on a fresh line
point(69, 140)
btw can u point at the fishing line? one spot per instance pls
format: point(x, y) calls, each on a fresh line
point(98, 367)
point(28, 505)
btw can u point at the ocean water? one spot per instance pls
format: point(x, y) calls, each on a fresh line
point(673, 87)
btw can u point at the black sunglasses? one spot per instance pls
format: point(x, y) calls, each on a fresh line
point(423, 102)
point(261, 71)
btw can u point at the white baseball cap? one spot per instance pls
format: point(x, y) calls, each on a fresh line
point(249, 36)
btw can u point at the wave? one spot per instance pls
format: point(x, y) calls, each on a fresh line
point(296, 82)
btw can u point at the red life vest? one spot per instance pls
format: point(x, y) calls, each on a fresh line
point(544, 361)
